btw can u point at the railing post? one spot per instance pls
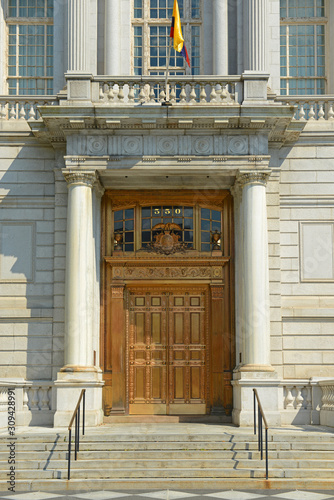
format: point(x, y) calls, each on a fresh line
point(69, 455)
point(75, 437)
point(266, 453)
point(254, 410)
point(78, 429)
point(83, 411)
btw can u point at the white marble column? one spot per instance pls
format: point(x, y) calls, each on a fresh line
point(255, 273)
point(81, 303)
point(255, 35)
point(79, 281)
point(78, 35)
point(253, 369)
point(220, 36)
point(112, 38)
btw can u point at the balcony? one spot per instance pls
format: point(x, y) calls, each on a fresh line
point(181, 91)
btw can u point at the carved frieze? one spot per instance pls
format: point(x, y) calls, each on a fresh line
point(167, 145)
point(184, 272)
point(97, 144)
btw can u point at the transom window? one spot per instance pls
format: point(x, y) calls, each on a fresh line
point(30, 47)
point(151, 28)
point(196, 227)
point(303, 25)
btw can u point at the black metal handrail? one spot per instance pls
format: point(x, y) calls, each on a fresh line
point(76, 416)
point(261, 420)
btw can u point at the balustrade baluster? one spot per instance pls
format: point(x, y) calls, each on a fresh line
point(183, 94)
point(32, 113)
point(309, 398)
point(172, 95)
point(12, 112)
point(110, 94)
point(299, 398)
point(101, 93)
point(213, 93)
point(3, 113)
point(152, 94)
point(162, 95)
point(302, 112)
point(44, 399)
point(330, 111)
point(25, 399)
point(22, 112)
point(288, 403)
point(142, 95)
point(193, 94)
point(321, 113)
point(202, 95)
point(311, 112)
point(34, 398)
point(120, 94)
point(131, 95)
point(224, 92)
point(233, 92)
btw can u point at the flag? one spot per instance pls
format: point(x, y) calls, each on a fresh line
point(176, 33)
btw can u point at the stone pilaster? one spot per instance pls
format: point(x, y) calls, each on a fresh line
point(255, 50)
point(112, 43)
point(255, 30)
point(220, 36)
point(77, 35)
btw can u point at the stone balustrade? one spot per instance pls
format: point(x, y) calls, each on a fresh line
point(298, 396)
point(23, 108)
point(327, 403)
point(202, 90)
point(310, 107)
point(33, 402)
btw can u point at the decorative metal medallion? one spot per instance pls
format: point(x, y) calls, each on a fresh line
point(167, 241)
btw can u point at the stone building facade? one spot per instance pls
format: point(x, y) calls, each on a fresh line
point(167, 248)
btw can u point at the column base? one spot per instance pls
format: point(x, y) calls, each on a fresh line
point(267, 384)
point(70, 381)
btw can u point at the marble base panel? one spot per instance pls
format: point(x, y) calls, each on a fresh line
point(68, 387)
point(270, 393)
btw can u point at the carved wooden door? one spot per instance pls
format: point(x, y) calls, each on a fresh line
point(168, 350)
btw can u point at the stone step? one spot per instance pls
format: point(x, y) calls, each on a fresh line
point(24, 456)
point(52, 485)
point(25, 474)
point(187, 463)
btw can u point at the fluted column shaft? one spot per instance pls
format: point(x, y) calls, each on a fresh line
point(220, 36)
point(255, 29)
point(112, 38)
point(77, 36)
point(255, 272)
point(79, 279)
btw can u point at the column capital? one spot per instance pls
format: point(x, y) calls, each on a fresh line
point(86, 178)
point(252, 177)
point(98, 188)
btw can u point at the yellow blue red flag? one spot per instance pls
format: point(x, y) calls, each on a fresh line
point(176, 33)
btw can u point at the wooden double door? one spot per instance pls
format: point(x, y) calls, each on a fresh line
point(168, 352)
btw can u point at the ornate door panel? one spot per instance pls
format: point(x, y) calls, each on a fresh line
point(168, 350)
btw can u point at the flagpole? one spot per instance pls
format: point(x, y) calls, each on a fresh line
point(167, 70)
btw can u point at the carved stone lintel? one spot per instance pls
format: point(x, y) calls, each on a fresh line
point(253, 177)
point(117, 291)
point(80, 177)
